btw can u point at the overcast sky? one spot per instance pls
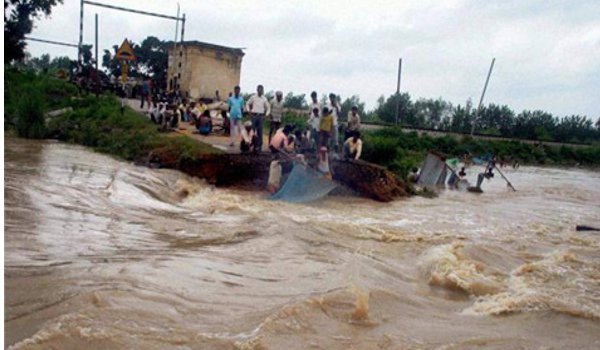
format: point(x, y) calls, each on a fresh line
point(547, 52)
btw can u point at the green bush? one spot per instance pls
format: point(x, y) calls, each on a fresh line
point(401, 151)
point(30, 121)
point(101, 125)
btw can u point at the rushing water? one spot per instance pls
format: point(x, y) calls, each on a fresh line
point(104, 254)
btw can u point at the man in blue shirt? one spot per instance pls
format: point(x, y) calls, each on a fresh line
point(236, 105)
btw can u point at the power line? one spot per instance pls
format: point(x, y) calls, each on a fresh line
point(51, 42)
point(132, 10)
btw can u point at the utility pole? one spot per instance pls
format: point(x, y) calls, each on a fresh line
point(180, 51)
point(398, 92)
point(482, 95)
point(175, 54)
point(80, 46)
point(96, 43)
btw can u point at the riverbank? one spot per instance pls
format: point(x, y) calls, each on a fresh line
point(103, 124)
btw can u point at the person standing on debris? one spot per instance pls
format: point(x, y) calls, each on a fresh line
point(314, 118)
point(236, 105)
point(276, 116)
point(353, 122)
point(334, 109)
point(353, 146)
point(258, 106)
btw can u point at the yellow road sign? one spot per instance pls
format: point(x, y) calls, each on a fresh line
point(125, 52)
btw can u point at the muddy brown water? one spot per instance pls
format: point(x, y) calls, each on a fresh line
point(102, 254)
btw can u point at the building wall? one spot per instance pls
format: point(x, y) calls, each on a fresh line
point(205, 70)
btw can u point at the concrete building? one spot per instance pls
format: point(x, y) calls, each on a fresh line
point(200, 69)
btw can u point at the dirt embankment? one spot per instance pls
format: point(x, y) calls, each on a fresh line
point(252, 171)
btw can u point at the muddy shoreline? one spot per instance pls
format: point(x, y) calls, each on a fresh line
point(251, 172)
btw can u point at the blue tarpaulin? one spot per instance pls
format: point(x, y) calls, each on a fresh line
point(304, 185)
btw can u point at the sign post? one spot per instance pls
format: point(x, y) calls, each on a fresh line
point(125, 55)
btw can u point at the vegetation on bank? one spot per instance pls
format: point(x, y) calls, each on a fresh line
point(100, 123)
point(97, 122)
point(401, 151)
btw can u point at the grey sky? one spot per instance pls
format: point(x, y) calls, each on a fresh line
point(547, 52)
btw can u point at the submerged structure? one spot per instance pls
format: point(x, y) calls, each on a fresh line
point(199, 69)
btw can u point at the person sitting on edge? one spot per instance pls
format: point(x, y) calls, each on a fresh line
point(325, 127)
point(204, 124)
point(249, 140)
point(183, 110)
point(280, 140)
point(302, 143)
point(226, 123)
point(155, 113)
point(175, 117)
point(199, 109)
point(353, 146)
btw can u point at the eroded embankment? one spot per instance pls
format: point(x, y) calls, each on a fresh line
point(252, 171)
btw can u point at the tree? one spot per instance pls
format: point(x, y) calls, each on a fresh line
point(387, 111)
point(429, 113)
point(461, 119)
point(110, 63)
point(152, 59)
point(39, 64)
point(18, 22)
point(295, 101)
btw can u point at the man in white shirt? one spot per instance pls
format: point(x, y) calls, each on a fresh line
point(258, 106)
point(353, 122)
point(276, 117)
point(353, 146)
point(314, 119)
point(335, 109)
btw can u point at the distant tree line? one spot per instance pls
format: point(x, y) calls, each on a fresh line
point(492, 119)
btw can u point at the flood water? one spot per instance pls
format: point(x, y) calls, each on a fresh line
point(102, 254)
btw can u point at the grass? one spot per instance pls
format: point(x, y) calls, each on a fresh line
point(400, 151)
point(99, 123)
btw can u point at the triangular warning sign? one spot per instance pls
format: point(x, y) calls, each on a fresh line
point(125, 52)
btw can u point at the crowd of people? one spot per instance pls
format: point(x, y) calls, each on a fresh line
point(320, 138)
point(213, 115)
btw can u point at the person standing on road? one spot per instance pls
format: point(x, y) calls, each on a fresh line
point(276, 116)
point(314, 119)
point(334, 109)
point(258, 106)
point(353, 122)
point(236, 105)
point(145, 92)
